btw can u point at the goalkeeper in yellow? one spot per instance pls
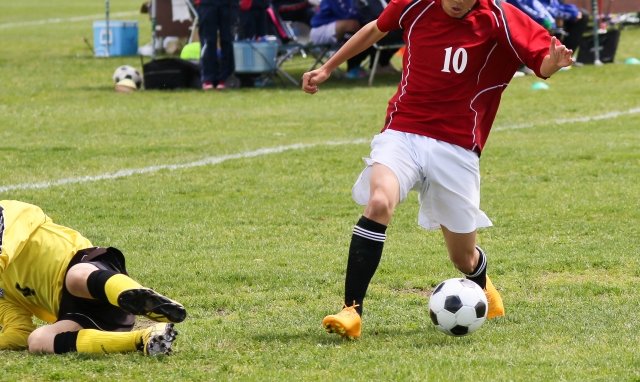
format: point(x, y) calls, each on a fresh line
point(55, 274)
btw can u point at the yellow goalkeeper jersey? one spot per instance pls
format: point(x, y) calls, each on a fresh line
point(34, 255)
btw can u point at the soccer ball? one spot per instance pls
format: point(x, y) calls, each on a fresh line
point(127, 72)
point(458, 307)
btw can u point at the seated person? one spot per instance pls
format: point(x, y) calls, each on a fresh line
point(335, 22)
point(571, 21)
point(370, 11)
point(538, 12)
point(295, 10)
point(85, 293)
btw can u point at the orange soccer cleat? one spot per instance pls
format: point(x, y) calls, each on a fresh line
point(496, 307)
point(347, 323)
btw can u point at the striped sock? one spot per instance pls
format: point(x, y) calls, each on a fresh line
point(365, 253)
point(479, 275)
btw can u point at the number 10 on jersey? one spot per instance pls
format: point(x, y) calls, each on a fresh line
point(459, 60)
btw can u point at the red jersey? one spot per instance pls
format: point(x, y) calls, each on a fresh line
point(455, 70)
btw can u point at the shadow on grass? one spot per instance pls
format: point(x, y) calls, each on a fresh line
point(410, 337)
point(276, 84)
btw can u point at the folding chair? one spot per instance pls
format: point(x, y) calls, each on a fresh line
point(379, 48)
point(289, 46)
point(322, 53)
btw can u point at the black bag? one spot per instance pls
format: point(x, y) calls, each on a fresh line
point(171, 73)
point(607, 42)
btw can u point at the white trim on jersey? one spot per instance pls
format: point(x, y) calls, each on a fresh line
point(485, 62)
point(504, 19)
point(496, 17)
point(406, 75)
point(359, 231)
point(475, 119)
point(408, 9)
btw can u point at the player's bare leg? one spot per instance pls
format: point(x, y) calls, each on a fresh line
point(42, 339)
point(87, 281)
point(68, 336)
point(365, 251)
point(472, 261)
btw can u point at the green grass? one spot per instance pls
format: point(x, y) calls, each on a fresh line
point(255, 247)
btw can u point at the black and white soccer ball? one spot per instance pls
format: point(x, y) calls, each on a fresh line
point(458, 307)
point(127, 72)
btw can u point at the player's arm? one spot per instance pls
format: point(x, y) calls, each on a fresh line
point(17, 325)
point(559, 57)
point(532, 44)
point(363, 39)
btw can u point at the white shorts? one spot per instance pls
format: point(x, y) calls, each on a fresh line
point(446, 176)
point(324, 34)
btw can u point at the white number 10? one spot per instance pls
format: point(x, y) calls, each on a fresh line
point(459, 60)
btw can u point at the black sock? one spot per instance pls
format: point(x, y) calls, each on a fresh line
point(365, 252)
point(479, 275)
point(65, 342)
point(96, 282)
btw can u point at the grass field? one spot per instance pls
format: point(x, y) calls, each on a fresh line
point(238, 205)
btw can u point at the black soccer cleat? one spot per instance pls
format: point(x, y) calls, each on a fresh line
point(154, 306)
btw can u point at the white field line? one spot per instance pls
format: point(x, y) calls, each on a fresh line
point(171, 167)
point(613, 114)
point(65, 20)
point(259, 152)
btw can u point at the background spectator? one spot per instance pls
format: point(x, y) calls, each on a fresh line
point(335, 22)
point(253, 18)
point(370, 10)
point(570, 20)
point(537, 11)
point(295, 10)
point(214, 16)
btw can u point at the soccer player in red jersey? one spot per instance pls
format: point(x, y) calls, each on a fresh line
point(460, 56)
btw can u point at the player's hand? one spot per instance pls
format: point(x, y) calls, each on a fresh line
point(559, 54)
point(310, 80)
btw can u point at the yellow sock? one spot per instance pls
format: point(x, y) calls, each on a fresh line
point(99, 342)
point(117, 284)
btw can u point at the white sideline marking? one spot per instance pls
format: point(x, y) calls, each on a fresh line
point(259, 152)
point(171, 167)
point(65, 20)
point(613, 114)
